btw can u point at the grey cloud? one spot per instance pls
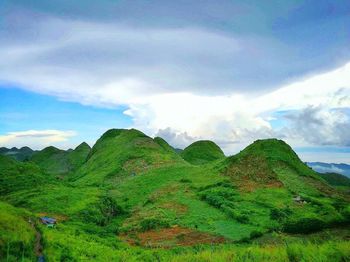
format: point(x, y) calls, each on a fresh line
point(176, 139)
point(320, 126)
point(76, 58)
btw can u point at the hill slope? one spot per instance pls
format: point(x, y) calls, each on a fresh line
point(16, 176)
point(335, 179)
point(60, 162)
point(21, 154)
point(121, 152)
point(134, 191)
point(202, 152)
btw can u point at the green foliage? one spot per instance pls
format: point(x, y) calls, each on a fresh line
point(120, 153)
point(16, 234)
point(335, 179)
point(21, 154)
point(304, 225)
point(129, 184)
point(280, 214)
point(59, 162)
point(255, 234)
point(202, 152)
point(102, 212)
point(153, 223)
point(16, 176)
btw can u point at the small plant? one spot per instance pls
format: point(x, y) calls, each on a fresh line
point(255, 234)
point(304, 225)
point(153, 223)
point(185, 180)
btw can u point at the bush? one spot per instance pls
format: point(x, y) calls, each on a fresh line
point(255, 234)
point(280, 214)
point(304, 225)
point(185, 180)
point(153, 223)
point(103, 212)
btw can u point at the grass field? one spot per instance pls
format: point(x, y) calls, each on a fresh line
point(134, 198)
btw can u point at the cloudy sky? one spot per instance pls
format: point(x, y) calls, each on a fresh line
point(229, 71)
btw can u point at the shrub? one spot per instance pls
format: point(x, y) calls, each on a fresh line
point(103, 211)
point(153, 223)
point(255, 234)
point(304, 225)
point(185, 180)
point(280, 214)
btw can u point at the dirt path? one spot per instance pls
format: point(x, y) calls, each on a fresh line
point(38, 247)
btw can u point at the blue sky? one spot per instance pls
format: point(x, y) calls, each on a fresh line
point(230, 71)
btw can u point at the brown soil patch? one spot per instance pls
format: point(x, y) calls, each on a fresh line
point(178, 208)
point(252, 172)
point(174, 236)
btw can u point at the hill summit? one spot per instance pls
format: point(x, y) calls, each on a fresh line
point(125, 152)
point(202, 152)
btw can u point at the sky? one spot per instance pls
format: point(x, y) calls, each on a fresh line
point(228, 71)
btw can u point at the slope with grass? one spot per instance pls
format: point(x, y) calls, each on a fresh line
point(16, 176)
point(136, 199)
point(202, 152)
point(335, 179)
point(60, 162)
point(120, 153)
point(17, 235)
point(20, 154)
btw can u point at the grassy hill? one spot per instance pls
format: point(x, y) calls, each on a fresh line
point(121, 153)
point(202, 152)
point(134, 198)
point(17, 236)
point(16, 176)
point(60, 162)
point(335, 179)
point(20, 154)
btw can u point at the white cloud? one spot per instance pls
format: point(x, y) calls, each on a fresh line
point(191, 82)
point(236, 120)
point(36, 139)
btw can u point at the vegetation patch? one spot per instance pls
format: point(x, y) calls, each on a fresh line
point(174, 236)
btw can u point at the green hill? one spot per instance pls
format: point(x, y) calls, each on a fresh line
point(60, 162)
point(121, 152)
point(21, 154)
point(16, 176)
point(134, 198)
point(335, 179)
point(202, 152)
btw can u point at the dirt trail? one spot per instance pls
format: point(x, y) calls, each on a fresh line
point(38, 247)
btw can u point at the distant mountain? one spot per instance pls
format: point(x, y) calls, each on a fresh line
point(59, 162)
point(320, 167)
point(16, 176)
point(335, 179)
point(20, 154)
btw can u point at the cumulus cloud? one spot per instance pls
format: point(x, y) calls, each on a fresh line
point(315, 108)
point(36, 139)
point(179, 139)
point(319, 126)
point(179, 82)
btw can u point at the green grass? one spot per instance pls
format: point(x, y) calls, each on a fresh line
point(60, 163)
point(16, 234)
point(129, 184)
point(16, 176)
point(202, 152)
